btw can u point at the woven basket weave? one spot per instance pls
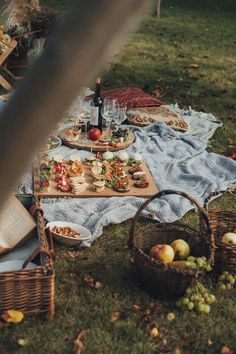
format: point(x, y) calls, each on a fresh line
point(31, 290)
point(160, 279)
point(222, 221)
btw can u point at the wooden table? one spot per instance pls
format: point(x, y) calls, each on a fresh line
point(3, 57)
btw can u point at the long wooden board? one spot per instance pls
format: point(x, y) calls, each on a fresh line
point(107, 192)
point(92, 145)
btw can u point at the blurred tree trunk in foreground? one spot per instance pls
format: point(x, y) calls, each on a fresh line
point(71, 59)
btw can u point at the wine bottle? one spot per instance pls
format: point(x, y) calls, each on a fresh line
point(96, 109)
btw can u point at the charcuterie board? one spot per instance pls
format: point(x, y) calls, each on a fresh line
point(144, 116)
point(96, 146)
point(54, 192)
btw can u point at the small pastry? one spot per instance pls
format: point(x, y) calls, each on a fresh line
point(108, 155)
point(139, 174)
point(74, 158)
point(141, 183)
point(99, 186)
point(90, 159)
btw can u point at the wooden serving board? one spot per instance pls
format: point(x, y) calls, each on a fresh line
point(89, 192)
point(91, 145)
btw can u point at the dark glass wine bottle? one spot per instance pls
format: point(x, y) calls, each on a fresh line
point(96, 110)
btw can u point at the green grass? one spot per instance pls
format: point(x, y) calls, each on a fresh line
point(156, 57)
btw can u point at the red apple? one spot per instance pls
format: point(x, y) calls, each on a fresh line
point(162, 253)
point(94, 134)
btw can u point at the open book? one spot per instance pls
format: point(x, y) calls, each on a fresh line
point(16, 225)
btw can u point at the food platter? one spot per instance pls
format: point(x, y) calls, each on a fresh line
point(59, 229)
point(97, 184)
point(96, 146)
point(144, 116)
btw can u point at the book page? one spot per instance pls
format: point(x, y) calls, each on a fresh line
point(15, 223)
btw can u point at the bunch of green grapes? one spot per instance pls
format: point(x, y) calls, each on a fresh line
point(196, 298)
point(197, 263)
point(226, 281)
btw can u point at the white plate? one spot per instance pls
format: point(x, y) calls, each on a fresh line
point(9, 266)
point(85, 234)
point(55, 144)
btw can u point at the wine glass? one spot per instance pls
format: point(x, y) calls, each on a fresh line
point(121, 116)
point(107, 112)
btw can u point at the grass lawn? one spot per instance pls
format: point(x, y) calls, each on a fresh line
point(157, 57)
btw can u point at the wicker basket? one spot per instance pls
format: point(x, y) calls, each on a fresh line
point(162, 280)
point(222, 221)
point(31, 290)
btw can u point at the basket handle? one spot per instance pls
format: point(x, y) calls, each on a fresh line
point(215, 194)
point(34, 254)
point(202, 212)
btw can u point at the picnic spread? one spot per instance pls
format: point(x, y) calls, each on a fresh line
point(148, 160)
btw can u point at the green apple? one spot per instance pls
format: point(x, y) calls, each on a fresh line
point(181, 249)
point(229, 237)
point(162, 253)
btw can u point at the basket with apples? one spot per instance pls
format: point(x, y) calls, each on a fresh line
point(223, 224)
point(169, 256)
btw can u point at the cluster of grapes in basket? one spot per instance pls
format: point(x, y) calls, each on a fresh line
point(196, 298)
point(226, 281)
point(197, 263)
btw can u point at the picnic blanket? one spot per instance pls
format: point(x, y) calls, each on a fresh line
point(177, 161)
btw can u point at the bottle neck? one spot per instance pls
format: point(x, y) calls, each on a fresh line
point(97, 89)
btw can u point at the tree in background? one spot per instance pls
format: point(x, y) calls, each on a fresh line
point(157, 7)
point(29, 23)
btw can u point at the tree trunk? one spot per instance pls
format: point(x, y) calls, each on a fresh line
point(158, 8)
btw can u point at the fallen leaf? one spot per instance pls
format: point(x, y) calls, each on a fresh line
point(116, 296)
point(115, 316)
point(171, 316)
point(79, 346)
point(88, 280)
point(147, 312)
point(164, 341)
point(152, 306)
point(22, 342)
point(12, 316)
point(185, 335)
point(154, 332)
point(194, 66)
point(136, 307)
point(209, 342)
point(146, 319)
point(226, 350)
point(99, 285)
point(157, 93)
point(73, 254)
point(177, 350)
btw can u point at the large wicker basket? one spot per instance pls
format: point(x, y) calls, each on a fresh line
point(222, 221)
point(31, 290)
point(162, 280)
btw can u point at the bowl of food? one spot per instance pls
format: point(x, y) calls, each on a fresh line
point(68, 233)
